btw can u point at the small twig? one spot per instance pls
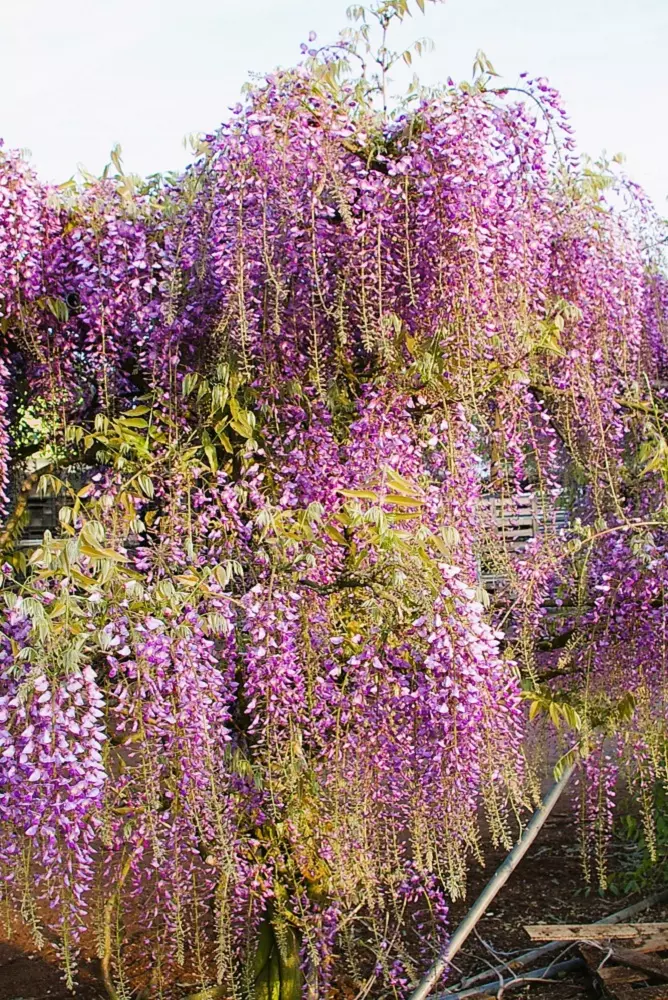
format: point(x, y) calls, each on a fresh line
point(209, 993)
point(493, 970)
point(105, 962)
point(604, 960)
point(499, 959)
point(519, 981)
point(342, 583)
point(556, 960)
point(365, 989)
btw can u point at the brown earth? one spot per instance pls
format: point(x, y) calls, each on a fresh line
point(547, 887)
point(25, 975)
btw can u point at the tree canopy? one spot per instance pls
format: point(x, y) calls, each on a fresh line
point(253, 692)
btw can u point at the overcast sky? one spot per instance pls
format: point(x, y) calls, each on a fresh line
point(76, 76)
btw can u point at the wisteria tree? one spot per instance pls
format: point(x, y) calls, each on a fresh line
point(253, 693)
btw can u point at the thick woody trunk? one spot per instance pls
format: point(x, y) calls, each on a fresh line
point(277, 965)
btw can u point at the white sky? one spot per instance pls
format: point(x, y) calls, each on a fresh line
point(76, 76)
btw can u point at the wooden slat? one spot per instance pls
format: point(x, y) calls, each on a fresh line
point(595, 932)
point(618, 975)
point(622, 982)
point(650, 964)
point(658, 943)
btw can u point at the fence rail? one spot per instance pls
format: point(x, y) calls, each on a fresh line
point(509, 522)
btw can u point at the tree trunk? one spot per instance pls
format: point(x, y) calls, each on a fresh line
point(277, 962)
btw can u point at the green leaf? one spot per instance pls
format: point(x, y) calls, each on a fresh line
point(223, 574)
point(93, 532)
point(65, 515)
point(360, 494)
point(49, 485)
point(226, 443)
point(115, 157)
point(401, 485)
point(335, 534)
point(243, 421)
point(145, 484)
point(568, 758)
point(58, 308)
point(402, 501)
point(134, 421)
point(571, 716)
point(212, 458)
point(219, 396)
point(98, 552)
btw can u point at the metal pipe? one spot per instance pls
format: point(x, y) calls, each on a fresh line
point(498, 880)
point(521, 961)
point(558, 968)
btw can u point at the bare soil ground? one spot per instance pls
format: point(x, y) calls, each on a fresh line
point(547, 887)
point(27, 976)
